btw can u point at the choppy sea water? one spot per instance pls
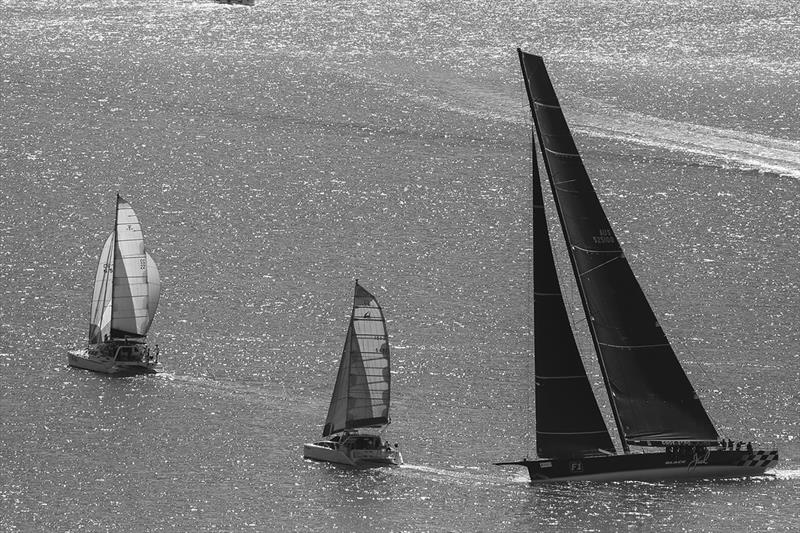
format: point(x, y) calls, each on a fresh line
point(276, 153)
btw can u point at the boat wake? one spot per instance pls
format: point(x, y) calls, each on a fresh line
point(465, 475)
point(705, 144)
point(260, 392)
point(784, 474)
point(729, 148)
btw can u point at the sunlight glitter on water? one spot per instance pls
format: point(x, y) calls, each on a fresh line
point(277, 152)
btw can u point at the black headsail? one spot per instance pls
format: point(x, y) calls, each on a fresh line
point(652, 399)
point(568, 421)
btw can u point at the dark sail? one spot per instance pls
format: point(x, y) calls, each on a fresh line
point(568, 420)
point(651, 396)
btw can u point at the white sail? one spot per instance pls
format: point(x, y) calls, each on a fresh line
point(127, 285)
point(153, 290)
point(100, 314)
point(129, 309)
point(362, 390)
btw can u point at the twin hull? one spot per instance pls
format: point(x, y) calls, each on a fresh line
point(98, 362)
point(333, 452)
point(651, 466)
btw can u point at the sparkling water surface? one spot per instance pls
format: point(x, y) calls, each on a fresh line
point(276, 153)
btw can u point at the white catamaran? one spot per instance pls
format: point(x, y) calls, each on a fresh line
point(361, 394)
point(653, 403)
point(126, 292)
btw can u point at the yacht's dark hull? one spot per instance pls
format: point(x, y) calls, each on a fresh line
point(651, 466)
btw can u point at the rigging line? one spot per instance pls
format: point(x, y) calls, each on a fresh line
point(604, 263)
point(566, 283)
point(578, 319)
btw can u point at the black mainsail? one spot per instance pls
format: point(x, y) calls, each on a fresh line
point(651, 396)
point(568, 420)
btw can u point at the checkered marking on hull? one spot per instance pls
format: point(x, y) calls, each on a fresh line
point(759, 459)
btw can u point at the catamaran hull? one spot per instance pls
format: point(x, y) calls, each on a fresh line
point(345, 456)
point(83, 359)
point(651, 466)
